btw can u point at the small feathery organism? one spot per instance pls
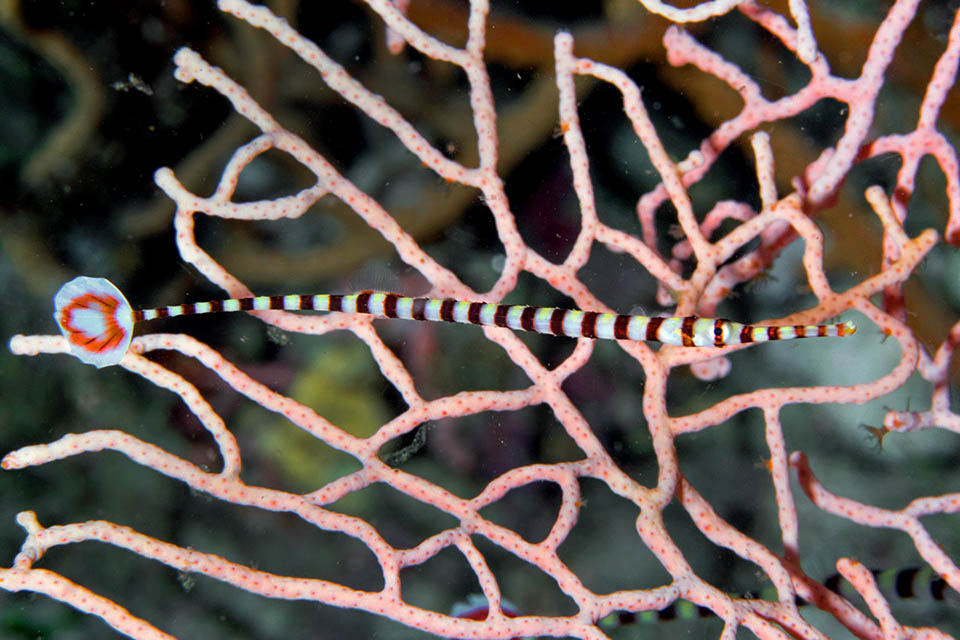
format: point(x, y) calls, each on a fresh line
point(98, 322)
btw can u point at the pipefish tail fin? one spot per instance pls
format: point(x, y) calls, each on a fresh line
point(96, 320)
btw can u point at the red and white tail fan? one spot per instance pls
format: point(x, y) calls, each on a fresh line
point(96, 320)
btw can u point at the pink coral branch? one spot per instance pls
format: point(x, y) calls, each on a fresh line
point(935, 371)
point(696, 274)
point(906, 520)
point(265, 584)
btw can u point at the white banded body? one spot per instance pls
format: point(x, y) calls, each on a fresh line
point(913, 585)
point(689, 331)
point(98, 321)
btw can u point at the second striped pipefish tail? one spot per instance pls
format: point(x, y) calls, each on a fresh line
point(98, 321)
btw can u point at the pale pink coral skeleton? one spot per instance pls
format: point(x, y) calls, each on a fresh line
point(782, 219)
